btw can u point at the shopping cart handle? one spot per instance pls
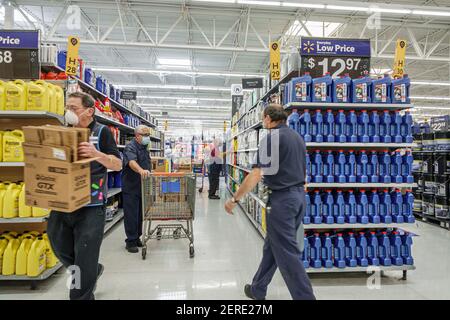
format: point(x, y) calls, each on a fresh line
point(169, 174)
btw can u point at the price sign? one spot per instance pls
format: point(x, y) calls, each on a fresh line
point(73, 45)
point(441, 123)
point(275, 61)
point(19, 54)
point(336, 56)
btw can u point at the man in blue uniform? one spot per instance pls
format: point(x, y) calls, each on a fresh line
point(136, 165)
point(281, 160)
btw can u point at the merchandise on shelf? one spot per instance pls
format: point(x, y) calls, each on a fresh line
point(12, 202)
point(322, 89)
point(12, 150)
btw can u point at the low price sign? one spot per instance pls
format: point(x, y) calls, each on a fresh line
point(336, 56)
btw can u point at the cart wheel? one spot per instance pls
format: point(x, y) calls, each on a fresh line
point(144, 253)
point(191, 251)
point(158, 234)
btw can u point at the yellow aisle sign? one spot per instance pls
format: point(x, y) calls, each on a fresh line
point(399, 62)
point(224, 126)
point(275, 64)
point(72, 55)
point(166, 123)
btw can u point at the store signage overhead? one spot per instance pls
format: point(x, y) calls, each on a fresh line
point(252, 83)
point(441, 123)
point(73, 46)
point(237, 97)
point(19, 54)
point(275, 60)
point(128, 95)
point(399, 61)
point(336, 56)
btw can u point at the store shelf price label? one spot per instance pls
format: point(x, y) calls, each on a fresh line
point(275, 60)
point(73, 46)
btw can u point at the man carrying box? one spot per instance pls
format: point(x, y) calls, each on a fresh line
point(76, 236)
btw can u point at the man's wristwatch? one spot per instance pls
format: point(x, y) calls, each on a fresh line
point(233, 199)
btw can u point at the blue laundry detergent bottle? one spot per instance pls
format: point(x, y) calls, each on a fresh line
point(352, 126)
point(322, 89)
point(306, 254)
point(373, 249)
point(62, 58)
point(396, 167)
point(407, 127)
point(294, 120)
point(373, 168)
point(408, 206)
point(308, 168)
point(361, 167)
point(300, 90)
point(400, 90)
point(328, 168)
point(374, 127)
point(327, 251)
point(381, 90)
point(317, 208)
point(307, 217)
point(385, 167)
point(351, 215)
point(374, 207)
point(362, 207)
point(329, 207)
point(342, 89)
point(398, 127)
point(397, 206)
point(339, 251)
point(316, 248)
point(339, 212)
point(386, 207)
point(328, 128)
point(305, 125)
point(396, 249)
point(317, 122)
point(88, 76)
point(406, 249)
point(362, 90)
point(317, 167)
point(99, 83)
point(385, 249)
point(363, 127)
point(350, 171)
point(385, 127)
point(340, 167)
point(361, 250)
point(350, 249)
point(340, 126)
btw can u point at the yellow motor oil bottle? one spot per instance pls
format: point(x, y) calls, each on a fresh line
point(40, 212)
point(2, 96)
point(12, 146)
point(36, 261)
point(16, 95)
point(1, 146)
point(59, 100)
point(24, 210)
point(9, 257)
point(22, 256)
point(34, 234)
point(52, 97)
point(52, 260)
point(11, 201)
point(3, 245)
point(10, 235)
point(38, 96)
point(3, 187)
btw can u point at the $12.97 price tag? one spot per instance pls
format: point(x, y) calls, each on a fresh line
point(317, 66)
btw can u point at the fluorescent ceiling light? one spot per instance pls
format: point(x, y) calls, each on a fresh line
point(317, 28)
point(433, 108)
point(174, 62)
point(429, 98)
point(303, 5)
point(223, 1)
point(175, 98)
point(260, 3)
point(431, 83)
point(431, 13)
point(187, 101)
point(185, 107)
point(332, 7)
point(176, 87)
point(387, 10)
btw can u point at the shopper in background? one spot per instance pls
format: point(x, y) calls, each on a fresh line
point(76, 237)
point(136, 165)
point(285, 207)
point(214, 169)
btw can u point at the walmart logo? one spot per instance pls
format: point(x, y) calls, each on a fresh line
point(308, 46)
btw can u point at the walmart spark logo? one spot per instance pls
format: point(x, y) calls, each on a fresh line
point(308, 46)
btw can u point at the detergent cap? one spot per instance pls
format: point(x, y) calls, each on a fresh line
point(329, 110)
point(330, 150)
point(351, 190)
point(386, 190)
point(363, 190)
point(372, 232)
point(339, 234)
point(361, 233)
point(327, 234)
point(341, 150)
point(318, 110)
point(307, 73)
point(384, 233)
point(339, 190)
point(316, 234)
point(341, 110)
point(351, 150)
point(350, 233)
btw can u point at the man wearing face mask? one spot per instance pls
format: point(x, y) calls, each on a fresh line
point(76, 237)
point(136, 165)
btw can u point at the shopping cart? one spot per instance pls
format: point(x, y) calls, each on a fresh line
point(168, 197)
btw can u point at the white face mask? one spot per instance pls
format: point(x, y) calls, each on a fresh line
point(71, 118)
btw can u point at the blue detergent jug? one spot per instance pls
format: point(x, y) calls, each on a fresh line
point(99, 83)
point(352, 127)
point(385, 167)
point(397, 206)
point(361, 250)
point(400, 90)
point(363, 127)
point(374, 127)
point(306, 254)
point(362, 90)
point(89, 76)
point(373, 249)
point(374, 207)
point(62, 58)
point(327, 251)
point(322, 88)
point(408, 206)
point(350, 248)
point(300, 89)
point(328, 128)
point(396, 167)
point(396, 249)
point(406, 249)
point(308, 168)
point(351, 214)
point(385, 249)
point(317, 208)
point(362, 207)
point(294, 121)
point(407, 127)
point(340, 167)
point(339, 251)
point(305, 126)
point(112, 92)
point(329, 207)
point(397, 125)
point(350, 171)
point(373, 168)
point(386, 207)
point(328, 168)
point(340, 126)
point(317, 168)
point(339, 212)
point(342, 89)
point(317, 123)
point(316, 248)
point(361, 167)
point(385, 127)
point(381, 90)
point(307, 216)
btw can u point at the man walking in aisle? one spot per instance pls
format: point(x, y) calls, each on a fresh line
point(76, 237)
point(214, 169)
point(136, 165)
point(282, 162)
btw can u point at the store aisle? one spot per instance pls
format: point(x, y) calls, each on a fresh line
point(228, 250)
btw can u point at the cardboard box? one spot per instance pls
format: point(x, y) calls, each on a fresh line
point(158, 164)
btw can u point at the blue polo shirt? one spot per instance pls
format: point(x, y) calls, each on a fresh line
point(290, 169)
point(131, 181)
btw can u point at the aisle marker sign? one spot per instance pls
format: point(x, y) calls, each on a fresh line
point(73, 45)
point(275, 63)
point(399, 62)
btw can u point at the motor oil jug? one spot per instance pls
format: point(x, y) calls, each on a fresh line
point(406, 249)
point(2, 96)
point(22, 256)
point(9, 257)
point(408, 206)
point(340, 168)
point(342, 89)
point(351, 167)
point(385, 127)
point(40, 212)
point(352, 126)
point(294, 121)
point(400, 90)
point(3, 245)
point(329, 207)
point(305, 126)
point(361, 167)
point(24, 210)
point(307, 217)
point(16, 95)
point(362, 90)
point(339, 251)
point(59, 100)
point(36, 261)
point(317, 128)
point(300, 89)
point(306, 254)
point(12, 146)
point(89, 76)
point(3, 188)
point(363, 127)
point(99, 83)
point(1, 146)
point(396, 127)
point(397, 206)
point(322, 88)
point(381, 90)
point(328, 168)
point(327, 251)
point(317, 208)
point(308, 168)
point(385, 167)
point(385, 249)
point(11, 201)
point(317, 167)
point(39, 96)
point(51, 259)
point(396, 248)
point(363, 208)
point(351, 215)
point(361, 250)
point(373, 249)
point(316, 251)
point(374, 127)
point(406, 131)
point(340, 208)
point(373, 168)
point(374, 207)
point(329, 128)
point(62, 57)
point(396, 167)
point(386, 207)
point(340, 126)
point(350, 250)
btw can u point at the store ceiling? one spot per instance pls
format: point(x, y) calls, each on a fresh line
point(222, 41)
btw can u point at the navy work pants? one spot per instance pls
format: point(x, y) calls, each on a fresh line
point(132, 210)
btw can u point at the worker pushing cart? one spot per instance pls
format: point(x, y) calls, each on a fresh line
point(168, 198)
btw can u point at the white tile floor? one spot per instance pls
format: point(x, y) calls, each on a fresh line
point(228, 250)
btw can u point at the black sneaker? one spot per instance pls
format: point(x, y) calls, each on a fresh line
point(139, 243)
point(248, 292)
point(132, 248)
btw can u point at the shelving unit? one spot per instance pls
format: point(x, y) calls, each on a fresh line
point(12, 164)
point(359, 145)
point(23, 220)
point(31, 115)
point(347, 106)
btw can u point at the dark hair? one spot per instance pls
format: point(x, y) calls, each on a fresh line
point(275, 112)
point(86, 99)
